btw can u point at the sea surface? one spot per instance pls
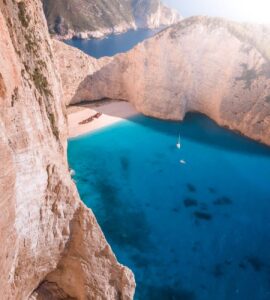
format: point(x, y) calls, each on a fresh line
point(112, 44)
point(196, 230)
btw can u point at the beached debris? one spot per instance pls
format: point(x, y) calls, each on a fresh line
point(90, 119)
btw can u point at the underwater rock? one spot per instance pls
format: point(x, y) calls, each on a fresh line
point(242, 266)
point(223, 201)
point(218, 271)
point(191, 188)
point(124, 163)
point(212, 190)
point(202, 215)
point(189, 202)
point(256, 263)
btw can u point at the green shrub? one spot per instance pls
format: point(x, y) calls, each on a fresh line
point(41, 82)
point(54, 127)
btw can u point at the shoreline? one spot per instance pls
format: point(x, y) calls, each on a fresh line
point(89, 35)
point(100, 35)
point(89, 117)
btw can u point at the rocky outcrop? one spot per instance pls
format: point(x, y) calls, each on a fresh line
point(95, 19)
point(207, 65)
point(51, 246)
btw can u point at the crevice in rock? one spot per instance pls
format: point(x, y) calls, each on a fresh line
point(2, 87)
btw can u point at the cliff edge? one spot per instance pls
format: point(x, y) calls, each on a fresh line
point(51, 246)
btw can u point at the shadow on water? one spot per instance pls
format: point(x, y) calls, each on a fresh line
point(202, 130)
point(124, 224)
point(125, 165)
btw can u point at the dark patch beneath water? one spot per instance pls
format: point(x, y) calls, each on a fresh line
point(191, 188)
point(242, 266)
point(124, 164)
point(190, 202)
point(223, 201)
point(176, 209)
point(82, 179)
point(124, 225)
point(228, 262)
point(196, 246)
point(218, 271)
point(202, 215)
point(256, 263)
point(167, 293)
point(212, 190)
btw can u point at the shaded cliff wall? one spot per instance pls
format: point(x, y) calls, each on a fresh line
point(50, 243)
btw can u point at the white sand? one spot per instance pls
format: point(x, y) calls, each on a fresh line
point(112, 112)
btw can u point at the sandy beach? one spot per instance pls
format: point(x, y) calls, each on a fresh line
point(84, 118)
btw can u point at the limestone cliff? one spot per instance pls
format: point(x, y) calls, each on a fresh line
point(153, 14)
point(51, 246)
point(212, 66)
point(90, 18)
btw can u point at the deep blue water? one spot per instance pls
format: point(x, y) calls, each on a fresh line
point(195, 231)
point(113, 44)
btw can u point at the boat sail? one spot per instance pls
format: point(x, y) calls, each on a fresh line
point(178, 145)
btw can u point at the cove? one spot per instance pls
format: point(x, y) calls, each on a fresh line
point(198, 230)
point(112, 44)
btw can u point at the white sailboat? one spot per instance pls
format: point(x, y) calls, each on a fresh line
point(178, 145)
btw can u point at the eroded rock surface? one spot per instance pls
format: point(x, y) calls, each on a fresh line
point(50, 243)
point(207, 65)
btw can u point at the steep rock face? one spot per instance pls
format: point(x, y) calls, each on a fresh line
point(153, 14)
point(212, 66)
point(50, 244)
point(90, 18)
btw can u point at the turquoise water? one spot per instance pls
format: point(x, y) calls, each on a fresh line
point(194, 231)
point(112, 44)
